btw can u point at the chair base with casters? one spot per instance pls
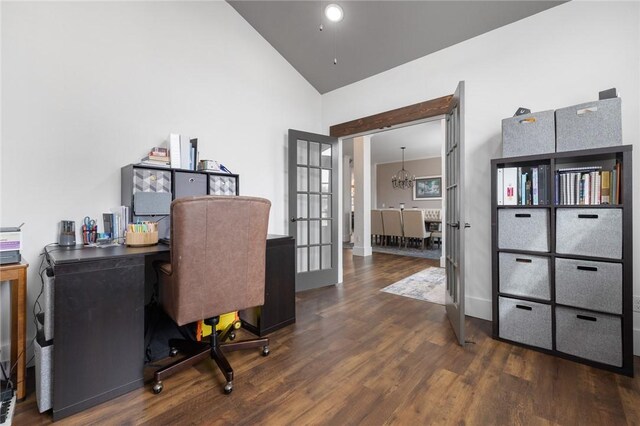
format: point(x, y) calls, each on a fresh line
point(198, 351)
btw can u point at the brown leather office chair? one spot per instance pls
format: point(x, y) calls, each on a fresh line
point(218, 247)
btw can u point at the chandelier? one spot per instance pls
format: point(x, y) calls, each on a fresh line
point(402, 179)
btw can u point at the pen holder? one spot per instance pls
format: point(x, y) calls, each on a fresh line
point(139, 239)
point(89, 236)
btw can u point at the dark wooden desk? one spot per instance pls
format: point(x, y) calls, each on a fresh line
point(99, 299)
point(16, 274)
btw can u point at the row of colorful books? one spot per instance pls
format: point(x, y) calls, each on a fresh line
point(524, 186)
point(588, 186)
point(530, 186)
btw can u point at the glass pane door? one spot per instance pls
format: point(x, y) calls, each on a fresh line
point(313, 208)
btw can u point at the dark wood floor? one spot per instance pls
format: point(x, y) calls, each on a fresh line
point(360, 356)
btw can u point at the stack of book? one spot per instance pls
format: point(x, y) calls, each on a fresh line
point(524, 186)
point(158, 157)
point(587, 186)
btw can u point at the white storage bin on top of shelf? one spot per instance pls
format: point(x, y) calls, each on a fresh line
point(529, 134)
point(590, 125)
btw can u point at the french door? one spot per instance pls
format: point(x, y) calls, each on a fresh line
point(313, 208)
point(454, 235)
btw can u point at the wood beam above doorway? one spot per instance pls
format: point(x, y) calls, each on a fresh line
point(415, 112)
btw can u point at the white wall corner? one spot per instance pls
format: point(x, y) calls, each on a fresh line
point(478, 308)
point(636, 341)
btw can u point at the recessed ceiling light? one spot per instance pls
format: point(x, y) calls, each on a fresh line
point(334, 13)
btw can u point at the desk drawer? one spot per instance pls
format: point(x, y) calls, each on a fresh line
point(523, 275)
point(523, 229)
point(589, 232)
point(597, 337)
point(525, 322)
point(589, 285)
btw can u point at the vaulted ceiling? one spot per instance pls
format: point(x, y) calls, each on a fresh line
point(374, 36)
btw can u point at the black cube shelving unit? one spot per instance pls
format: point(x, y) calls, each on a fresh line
point(557, 160)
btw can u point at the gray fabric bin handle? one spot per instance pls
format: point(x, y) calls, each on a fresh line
point(526, 308)
point(522, 260)
point(587, 268)
point(587, 318)
point(586, 110)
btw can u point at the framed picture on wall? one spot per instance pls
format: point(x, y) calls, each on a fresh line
point(428, 188)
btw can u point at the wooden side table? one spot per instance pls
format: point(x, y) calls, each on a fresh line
point(17, 274)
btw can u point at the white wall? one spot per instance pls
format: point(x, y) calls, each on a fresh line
point(557, 58)
point(89, 87)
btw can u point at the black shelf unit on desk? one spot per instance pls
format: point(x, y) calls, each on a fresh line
point(178, 182)
point(621, 154)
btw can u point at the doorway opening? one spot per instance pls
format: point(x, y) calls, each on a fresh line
point(406, 233)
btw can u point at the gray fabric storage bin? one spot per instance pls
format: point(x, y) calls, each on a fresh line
point(523, 229)
point(589, 285)
point(525, 322)
point(189, 184)
point(589, 232)
point(222, 185)
point(529, 134)
point(590, 125)
point(524, 275)
point(597, 337)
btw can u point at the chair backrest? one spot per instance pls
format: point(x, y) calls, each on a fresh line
point(413, 221)
point(218, 249)
point(432, 214)
point(377, 225)
point(392, 219)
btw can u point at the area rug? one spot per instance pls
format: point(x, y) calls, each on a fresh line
point(434, 253)
point(428, 285)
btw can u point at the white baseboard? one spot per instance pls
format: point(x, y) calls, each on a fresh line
point(362, 251)
point(478, 308)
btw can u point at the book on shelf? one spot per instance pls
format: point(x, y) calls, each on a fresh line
point(158, 163)
point(160, 158)
point(588, 186)
point(509, 191)
point(500, 183)
point(174, 148)
point(159, 151)
point(523, 186)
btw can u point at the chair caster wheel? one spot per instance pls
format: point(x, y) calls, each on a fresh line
point(265, 350)
point(173, 352)
point(157, 388)
point(232, 335)
point(228, 388)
